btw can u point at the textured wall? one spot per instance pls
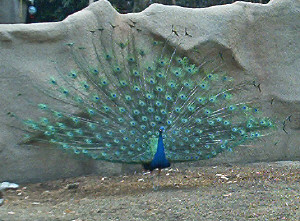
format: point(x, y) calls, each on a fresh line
point(260, 41)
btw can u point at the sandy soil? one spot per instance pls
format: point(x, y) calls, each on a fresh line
point(264, 191)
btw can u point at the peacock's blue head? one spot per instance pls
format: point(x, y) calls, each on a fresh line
point(161, 130)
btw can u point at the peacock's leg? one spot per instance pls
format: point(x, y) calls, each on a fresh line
point(155, 187)
point(158, 177)
point(159, 170)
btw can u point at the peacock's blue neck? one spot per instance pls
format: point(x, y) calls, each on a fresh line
point(160, 145)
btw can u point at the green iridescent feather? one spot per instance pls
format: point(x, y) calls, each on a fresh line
point(128, 92)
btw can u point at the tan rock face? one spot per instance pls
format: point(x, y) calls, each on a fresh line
point(253, 40)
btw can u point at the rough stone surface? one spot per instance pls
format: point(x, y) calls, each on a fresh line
point(256, 40)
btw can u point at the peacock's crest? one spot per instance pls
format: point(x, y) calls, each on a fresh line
point(122, 98)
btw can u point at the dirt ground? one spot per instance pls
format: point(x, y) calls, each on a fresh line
point(260, 191)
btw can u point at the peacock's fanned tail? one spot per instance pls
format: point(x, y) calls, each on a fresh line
point(121, 100)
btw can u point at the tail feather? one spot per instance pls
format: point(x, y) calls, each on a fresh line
point(126, 93)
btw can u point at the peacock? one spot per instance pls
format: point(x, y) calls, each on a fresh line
point(144, 105)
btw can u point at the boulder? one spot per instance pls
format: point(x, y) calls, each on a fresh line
point(254, 40)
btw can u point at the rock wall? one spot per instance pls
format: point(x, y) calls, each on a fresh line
point(256, 40)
